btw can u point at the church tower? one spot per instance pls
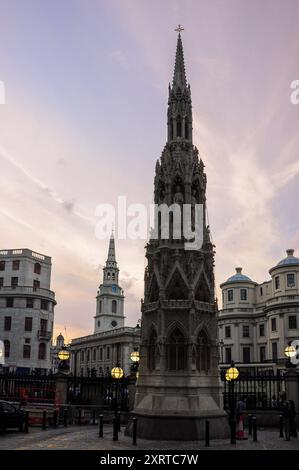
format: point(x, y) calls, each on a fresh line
point(110, 296)
point(179, 385)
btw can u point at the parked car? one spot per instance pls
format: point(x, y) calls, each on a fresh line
point(11, 416)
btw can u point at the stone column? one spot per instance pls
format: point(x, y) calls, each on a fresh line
point(292, 386)
point(61, 388)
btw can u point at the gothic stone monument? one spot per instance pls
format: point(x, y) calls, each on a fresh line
point(179, 384)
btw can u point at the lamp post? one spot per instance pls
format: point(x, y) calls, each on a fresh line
point(63, 356)
point(117, 373)
point(230, 376)
point(135, 358)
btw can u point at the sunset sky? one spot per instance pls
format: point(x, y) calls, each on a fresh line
point(85, 121)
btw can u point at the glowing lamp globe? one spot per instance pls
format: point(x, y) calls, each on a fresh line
point(135, 356)
point(63, 355)
point(232, 374)
point(290, 351)
point(117, 372)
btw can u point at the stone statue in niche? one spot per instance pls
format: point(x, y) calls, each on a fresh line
point(178, 197)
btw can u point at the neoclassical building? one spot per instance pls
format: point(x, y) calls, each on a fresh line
point(112, 342)
point(257, 321)
point(26, 310)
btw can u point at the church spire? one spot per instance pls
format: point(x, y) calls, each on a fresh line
point(111, 260)
point(179, 76)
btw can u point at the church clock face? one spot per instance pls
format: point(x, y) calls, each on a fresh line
point(114, 323)
point(114, 288)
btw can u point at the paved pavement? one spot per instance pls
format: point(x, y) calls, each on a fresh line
point(86, 438)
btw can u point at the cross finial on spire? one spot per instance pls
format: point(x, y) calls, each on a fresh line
point(179, 29)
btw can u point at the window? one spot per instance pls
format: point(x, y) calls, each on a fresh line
point(227, 332)
point(44, 305)
point(28, 323)
point(203, 352)
point(9, 302)
point(179, 127)
point(94, 355)
point(228, 355)
point(101, 354)
point(277, 282)
point(37, 268)
point(1, 281)
point(273, 324)
point(246, 355)
point(42, 351)
point(261, 291)
point(113, 276)
point(262, 354)
point(230, 295)
point(108, 353)
point(262, 329)
point(43, 325)
point(176, 351)
point(100, 307)
point(26, 351)
point(2, 265)
point(245, 331)
point(36, 284)
point(14, 281)
point(27, 340)
point(292, 322)
point(7, 323)
point(108, 275)
point(29, 303)
point(243, 294)
point(291, 280)
point(82, 355)
point(274, 351)
point(16, 265)
point(6, 348)
point(114, 306)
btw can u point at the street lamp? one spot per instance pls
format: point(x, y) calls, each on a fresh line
point(135, 358)
point(230, 376)
point(117, 373)
point(63, 356)
point(290, 352)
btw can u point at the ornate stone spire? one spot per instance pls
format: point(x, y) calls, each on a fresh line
point(111, 260)
point(179, 76)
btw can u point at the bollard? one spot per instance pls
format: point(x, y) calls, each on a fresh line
point(232, 431)
point(101, 420)
point(280, 426)
point(26, 422)
point(44, 420)
point(118, 421)
point(115, 429)
point(65, 417)
point(250, 424)
point(79, 416)
point(254, 429)
point(55, 418)
point(134, 432)
point(94, 417)
point(207, 433)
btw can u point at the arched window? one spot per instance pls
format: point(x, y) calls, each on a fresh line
point(82, 355)
point(176, 351)
point(114, 306)
point(42, 351)
point(151, 351)
point(37, 268)
point(179, 126)
point(108, 275)
point(100, 306)
point(203, 354)
point(6, 348)
point(186, 128)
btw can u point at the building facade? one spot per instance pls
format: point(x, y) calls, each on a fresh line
point(257, 321)
point(26, 310)
point(179, 384)
point(112, 342)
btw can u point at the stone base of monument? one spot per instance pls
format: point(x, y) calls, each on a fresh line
point(179, 428)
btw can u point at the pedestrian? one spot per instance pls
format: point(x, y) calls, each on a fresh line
point(286, 414)
point(293, 430)
point(240, 408)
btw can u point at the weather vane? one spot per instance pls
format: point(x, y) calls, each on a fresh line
point(179, 29)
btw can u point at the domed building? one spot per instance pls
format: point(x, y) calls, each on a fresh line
point(257, 321)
